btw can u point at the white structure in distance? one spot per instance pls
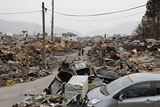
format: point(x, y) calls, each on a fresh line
point(69, 36)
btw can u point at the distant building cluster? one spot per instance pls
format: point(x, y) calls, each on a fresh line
point(7, 34)
point(25, 35)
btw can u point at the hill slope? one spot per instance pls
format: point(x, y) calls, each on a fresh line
point(17, 27)
point(124, 28)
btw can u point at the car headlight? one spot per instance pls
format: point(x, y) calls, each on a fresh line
point(93, 102)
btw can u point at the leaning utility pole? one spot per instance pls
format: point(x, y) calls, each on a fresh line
point(44, 34)
point(52, 22)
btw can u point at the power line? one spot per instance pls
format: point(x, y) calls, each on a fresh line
point(21, 12)
point(102, 19)
point(100, 14)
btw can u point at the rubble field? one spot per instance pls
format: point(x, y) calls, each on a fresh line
point(22, 60)
point(70, 85)
point(109, 60)
point(125, 56)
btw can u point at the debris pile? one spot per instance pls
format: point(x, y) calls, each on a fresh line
point(70, 85)
point(125, 56)
point(22, 61)
point(111, 59)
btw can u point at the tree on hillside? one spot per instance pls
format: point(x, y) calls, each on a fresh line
point(150, 24)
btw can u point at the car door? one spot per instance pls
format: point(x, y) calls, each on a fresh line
point(137, 95)
point(156, 98)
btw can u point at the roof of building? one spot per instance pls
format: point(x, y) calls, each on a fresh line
point(68, 34)
point(24, 31)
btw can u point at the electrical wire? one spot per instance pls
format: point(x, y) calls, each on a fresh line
point(21, 12)
point(99, 14)
point(102, 19)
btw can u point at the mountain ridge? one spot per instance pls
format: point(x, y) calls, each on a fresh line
point(126, 28)
point(32, 28)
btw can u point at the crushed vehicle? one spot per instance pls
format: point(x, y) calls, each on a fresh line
point(70, 85)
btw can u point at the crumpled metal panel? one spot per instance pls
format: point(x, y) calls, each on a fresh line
point(55, 87)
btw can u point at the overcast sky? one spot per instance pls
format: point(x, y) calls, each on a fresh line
point(74, 7)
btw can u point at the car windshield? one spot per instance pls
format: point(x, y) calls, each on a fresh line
point(117, 84)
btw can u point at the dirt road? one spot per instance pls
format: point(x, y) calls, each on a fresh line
point(75, 55)
point(15, 94)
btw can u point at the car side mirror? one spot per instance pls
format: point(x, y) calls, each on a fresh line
point(121, 97)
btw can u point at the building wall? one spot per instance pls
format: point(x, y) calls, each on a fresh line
point(58, 35)
point(74, 38)
point(24, 35)
point(69, 38)
point(9, 34)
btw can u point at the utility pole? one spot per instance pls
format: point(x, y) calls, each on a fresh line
point(52, 22)
point(44, 34)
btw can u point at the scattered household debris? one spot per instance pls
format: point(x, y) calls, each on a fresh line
point(126, 56)
point(110, 59)
point(22, 61)
point(71, 84)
